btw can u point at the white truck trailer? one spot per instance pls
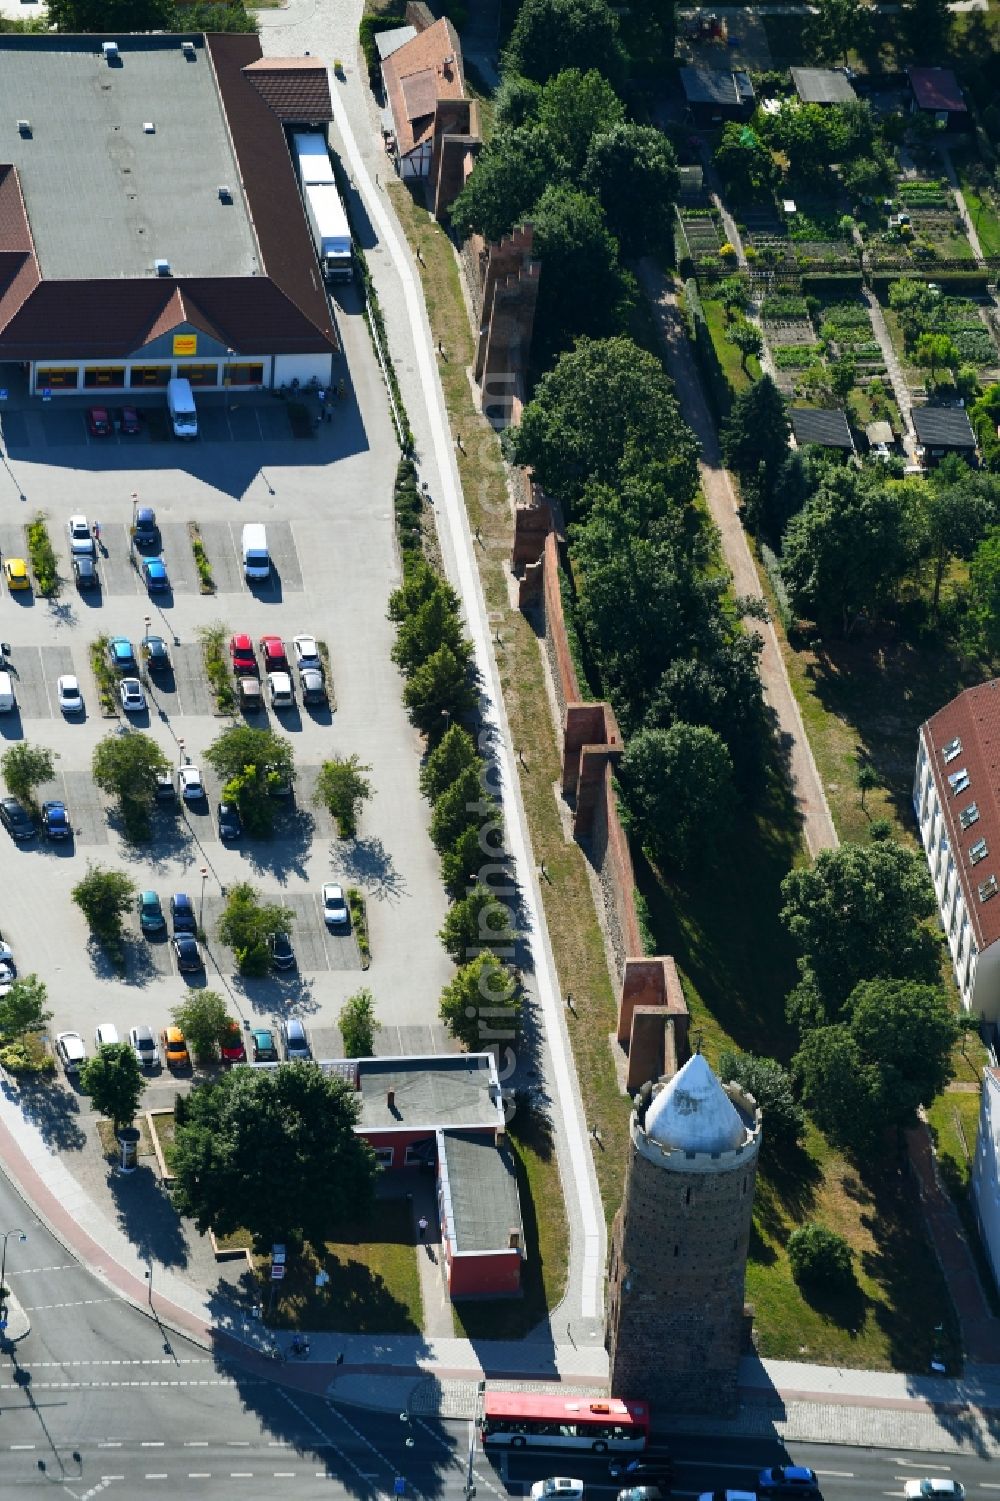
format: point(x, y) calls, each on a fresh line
point(324, 210)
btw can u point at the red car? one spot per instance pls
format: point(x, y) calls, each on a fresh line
point(272, 649)
point(128, 422)
point(99, 422)
point(232, 1048)
point(241, 652)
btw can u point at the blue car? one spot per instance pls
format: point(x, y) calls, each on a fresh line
point(151, 918)
point(182, 913)
point(121, 656)
point(788, 1480)
point(154, 571)
point(55, 820)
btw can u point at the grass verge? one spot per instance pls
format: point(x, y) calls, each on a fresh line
point(43, 557)
point(359, 923)
point(204, 567)
point(728, 354)
point(374, 1285)
point(109, 1141)
point(213, 651)
point(104, 676)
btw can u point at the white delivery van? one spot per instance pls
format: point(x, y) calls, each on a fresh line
point(256, 558)
point(180, 405)
point(6, 693)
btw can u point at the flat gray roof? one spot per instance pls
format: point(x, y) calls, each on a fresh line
point(823, 85)
point(103, 198)
point(448, 1090)
point(482, 1187)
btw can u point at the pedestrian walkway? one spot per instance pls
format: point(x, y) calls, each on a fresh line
point(960, 203)
point(817, 823)
point(894, 370)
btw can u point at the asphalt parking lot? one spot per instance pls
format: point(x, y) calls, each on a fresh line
point(328, 511)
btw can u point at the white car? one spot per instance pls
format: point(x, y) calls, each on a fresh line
point(306, 652)
point(71, 1051)
point(106, 1036)
point(279, 687)
point(8, 968)
point(81, 543)
point(190, 782)
point(335, 913)
point(557, 1488)
point(933, 1490)
point(131, 694)
point(70, 697)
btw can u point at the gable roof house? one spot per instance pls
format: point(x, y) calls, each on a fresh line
point(150, 220)
point(823, 85)
point(717, 94)
point(943, 430)
point(937, 91)
point(826, 426)
point(435, 132)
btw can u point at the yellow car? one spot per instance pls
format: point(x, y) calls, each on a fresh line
point(16, 574)
point(174, 1048)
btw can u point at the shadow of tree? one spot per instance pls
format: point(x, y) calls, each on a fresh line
point(147, 1217)
point(52, 1110)
point(368, 862)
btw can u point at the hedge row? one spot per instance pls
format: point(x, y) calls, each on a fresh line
point(717, 387)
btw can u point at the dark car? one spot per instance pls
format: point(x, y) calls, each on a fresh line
point(659, 1472)
point(55, 820)
point(262, 1043)
point(129, 422)
point(166, 792)
point(187, 952)
point(16, 819)
point(99, 422)
point(295, 1040)
point(85, 572)
point(154, 573)
point(121, 656)
point(182, 913)
point(642, 1493)
point(145, 532)
point(282, 953)
point(788, 1480)
point(230, 823)
point(155, 654)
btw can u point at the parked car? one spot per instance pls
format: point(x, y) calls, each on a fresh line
point(659, 1471)
point(642, 1493)
point(8, 965)
point(70, 697)
point(129, 423)
point(154, 573)
point(242, 654)
point(932, 1489)
point(182, 913)
point(557, 1488)
point(151, 918)
point(143, 1045)
point(16, 819)
point(230, 823)
point(166, 792)
point(788, 1480)
point(16, 573)
point(187, 953)
point(70, 1051)
point(153, 650)
point(262, 1046)
point(335, 913)
point(728, 1496)
point(145, 533)
point(272, 650)
point(55, 820)
point(174, 1047)
point(99, 422)
point(306, 652)
point(279, 687)
point(282, 953)
point(121, 656)
point(85, 573)
point(250, 694)
point(312, 685)
point(81, 540)
point(190, 782)
point(106, 1036)
point(279, 782)
point(231, 1047)
point(131, 693)
point(295, 1041)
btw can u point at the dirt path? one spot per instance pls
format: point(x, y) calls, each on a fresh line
point(817, 824)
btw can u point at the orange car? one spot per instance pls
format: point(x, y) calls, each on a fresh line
point(174, 1048)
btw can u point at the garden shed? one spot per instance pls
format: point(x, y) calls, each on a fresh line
point(826, 426)
point(717, 94)
point(823, 85)
point(943, 430)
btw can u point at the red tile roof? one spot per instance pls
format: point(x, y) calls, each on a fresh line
point(973, 718)
point(937, 88)
point(425, 69)
point(296, 89)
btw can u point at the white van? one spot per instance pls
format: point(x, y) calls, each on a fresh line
point(256, 558)
point(180, 405)
point(7, 704)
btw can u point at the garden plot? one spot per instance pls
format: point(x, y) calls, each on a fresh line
point(920, 225)
point(701, 232)
point(790, 337)
point(846, 330)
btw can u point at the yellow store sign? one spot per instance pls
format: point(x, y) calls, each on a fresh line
point(185, 344)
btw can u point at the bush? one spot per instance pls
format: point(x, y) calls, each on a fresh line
point(43, 558)
point(105, 897)
point(359, 923)
point(201, 562)
point(104, 675)
point(370, 26)
point(26, 1056)
point(213, 650)
point(343, 788)
point(718, 389)
point(821, 1259)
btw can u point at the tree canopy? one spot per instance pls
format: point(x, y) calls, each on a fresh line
point(783, 1119)
point(755, 439)
point(678, 816)
point(246, 925)
point(509, 177)
point(126, 765)
point(358, 1024)
point(572, 108)
point(26, 767)
point(23, 1008)
point(550, 35)
point(203, 1018)
point(583, 290)
point(272, 1151)
point(114, 1080)
point(481, 1005)
point(632, 170)
point(254, 765)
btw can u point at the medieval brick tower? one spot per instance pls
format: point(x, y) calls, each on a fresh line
point(679, 1244)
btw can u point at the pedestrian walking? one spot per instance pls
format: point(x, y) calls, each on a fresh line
point(422, 1226)
point(97, 531)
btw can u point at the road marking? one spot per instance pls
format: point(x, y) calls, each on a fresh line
point(111, 1443)
point(284, 1474)
point(918, 1464)
point(26, 1271)
point(988, 1485)
point(241, 1474)
point(22, 1446)
point(238, 1443)
point(152, 1443)
point(199, 1474)
point(196, 1443)
point(81, 1303)
point(162, 1475)
point(840, 1474)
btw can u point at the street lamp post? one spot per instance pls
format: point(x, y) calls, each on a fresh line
point(180, 752)
point(201, 909)
point(22, 1237)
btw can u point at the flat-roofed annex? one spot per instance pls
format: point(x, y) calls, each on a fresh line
point(104, 198)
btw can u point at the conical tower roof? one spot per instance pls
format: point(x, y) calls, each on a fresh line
point(693, 1113)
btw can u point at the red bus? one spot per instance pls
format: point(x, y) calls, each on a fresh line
point(601, 1424)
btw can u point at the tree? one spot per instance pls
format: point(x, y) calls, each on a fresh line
point(679, 818)
point(26, 767)
point(481, 1005)
point(273, 1151)
point(420, 582)
point(22, 1009)
point(205, 1022)
point(453, 754)
point(343, 788)
point(809, 135)
point(126, 765)
point(253, 765)
point(550, 35)
point(463, 804)
point(515, 103)
point(820, 1259)
point(744, 162)
point(843, 374)
point(838, 27)
point(115, 1082)
point(718, 685)
point(927, 26)
point(436, 622)
point(755, 435)
point(246, 925)
point(509, 177)
point(96, 15)
point(784, 1122)
point(572, 109)
point(358, 1025)
point(584, 290)
point(841, 1091)
point(439, 691)
point(867, 780)
point(907, 1031)
point(846, 551)
point(463, 859)
point(632, 170)
point(955, 515)
point(734, 294)
point(859, 912)
point(747, 338)
point(105, 897)
point(981, 628)
point(477, 921)
point(602, 406)
point(936, 352)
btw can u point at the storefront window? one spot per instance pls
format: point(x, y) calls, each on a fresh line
point(200, 375)
point(104, 375)
point(244, 375)
point(56, 379)
point(148, 375)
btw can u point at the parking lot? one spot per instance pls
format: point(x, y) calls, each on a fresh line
point(327, 509)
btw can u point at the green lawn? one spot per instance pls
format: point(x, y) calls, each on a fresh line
point(728, 355)
point(982, 212)
point(374, 1285)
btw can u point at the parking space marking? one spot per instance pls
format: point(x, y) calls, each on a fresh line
point(190, 684)
point(307, 932)
point(13, 543)
point(222, 544)
point(177, 554)
point(118, 576)
point(305, 788)
point(86, 808)
point(56, 661)
point(29, 684)
point(284, 556)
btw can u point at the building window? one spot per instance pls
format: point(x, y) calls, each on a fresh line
point(677, 1250)
point(687, 1196)
point(148, 375)
point(384, 1156)
point(951, 750)
point(57, 379)
point(959, 780)
point(104, 376)
point(200, 375)
point(969, 815)
point(243, 375)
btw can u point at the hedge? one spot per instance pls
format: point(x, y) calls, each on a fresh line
point(370, 25)
point(717, 387)
point(951, 281)
point(830, 284)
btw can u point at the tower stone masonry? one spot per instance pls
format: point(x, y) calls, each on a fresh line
point(680, 1241)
